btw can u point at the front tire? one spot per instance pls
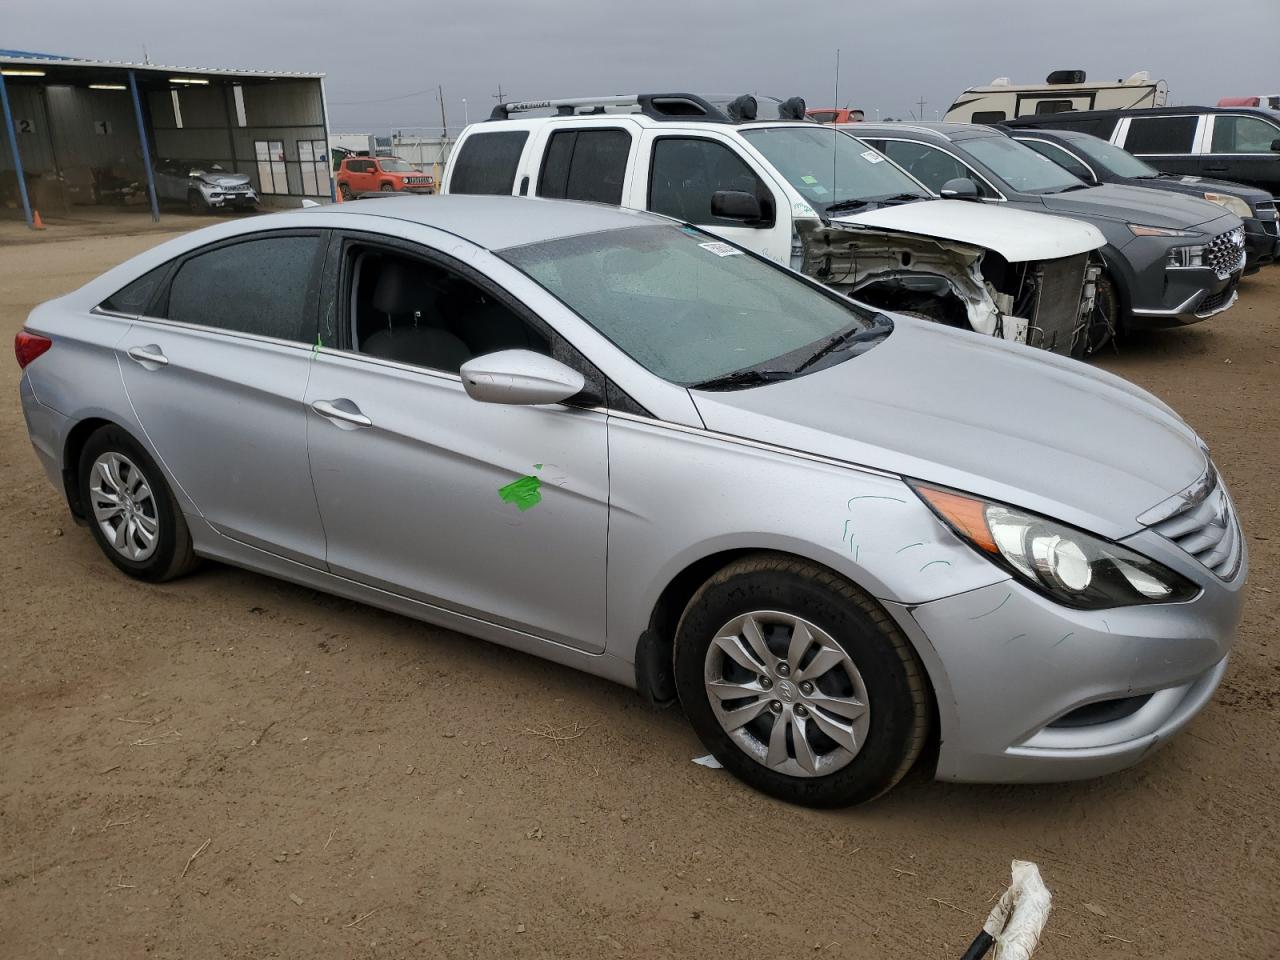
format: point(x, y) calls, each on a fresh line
point(131, 511)
point(800, 684)
point(386, 188)
point(196, 204)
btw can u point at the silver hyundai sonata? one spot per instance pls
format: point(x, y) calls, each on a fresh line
point(837, 536)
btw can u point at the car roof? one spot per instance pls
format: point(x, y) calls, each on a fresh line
point(1137, 112)
point(944, 130)
point(496, 223)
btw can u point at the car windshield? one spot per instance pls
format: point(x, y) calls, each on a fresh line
point(1021, 168)
point(1108, 155)
point(829, 167)
point(686, 306)
point(395, 166)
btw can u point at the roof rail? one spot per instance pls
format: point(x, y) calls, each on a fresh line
point(658, 106)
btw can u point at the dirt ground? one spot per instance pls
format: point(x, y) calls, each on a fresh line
point(229, 766)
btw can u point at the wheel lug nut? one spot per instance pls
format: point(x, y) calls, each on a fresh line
point(765, 683)
point(783, 669)
point(776, 706)
point(806, 688)
point(801, 712)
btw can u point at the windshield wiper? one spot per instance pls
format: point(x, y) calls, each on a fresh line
point(1074, 186)
point(853, 203)
point(902, 198)
point(744, 378)
point(880, 327)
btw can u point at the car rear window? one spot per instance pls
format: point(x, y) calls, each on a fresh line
point(487, 162)
point(585, 165)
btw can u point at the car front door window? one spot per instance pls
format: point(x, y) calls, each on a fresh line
point(1233, 134)
point(929, 165)
point(687, 171)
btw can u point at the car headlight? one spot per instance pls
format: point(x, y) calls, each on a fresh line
point(1234, 204)
point(1064, 564)
point(1192, 256)
point(1139, 230)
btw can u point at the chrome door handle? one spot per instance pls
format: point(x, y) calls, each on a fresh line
point(328, 410)
point(148, 354)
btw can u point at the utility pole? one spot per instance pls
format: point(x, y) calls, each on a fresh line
point(499, 96)
point(921, 102)
point(444, 124)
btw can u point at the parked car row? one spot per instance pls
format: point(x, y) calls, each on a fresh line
point(872, 210)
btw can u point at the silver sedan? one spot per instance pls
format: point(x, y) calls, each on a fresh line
point(838, 537)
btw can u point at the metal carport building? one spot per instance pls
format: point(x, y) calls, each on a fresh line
point(90, 131)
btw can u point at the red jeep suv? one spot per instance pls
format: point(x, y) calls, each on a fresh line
point(359, 175)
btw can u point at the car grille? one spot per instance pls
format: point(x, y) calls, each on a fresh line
point(1205, 526)
point(417, 181)
point(1216, 301)
point(1225, 253)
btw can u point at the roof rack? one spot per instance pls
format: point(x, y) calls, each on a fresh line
point(658, 106)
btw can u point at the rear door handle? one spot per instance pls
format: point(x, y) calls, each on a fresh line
point(150, 356)
point(346, 419)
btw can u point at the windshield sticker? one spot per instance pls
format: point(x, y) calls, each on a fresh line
point(809, 180)
point(820, 191)
point(721, 249)
point(872, 157)
point(801, 209)
point(524, 493)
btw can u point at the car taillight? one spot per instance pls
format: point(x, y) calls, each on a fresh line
point(28, 346)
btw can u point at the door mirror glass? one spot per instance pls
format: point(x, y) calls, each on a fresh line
point(959, 188)
point(1275, 146)
point(735, 205)
point(519, 377)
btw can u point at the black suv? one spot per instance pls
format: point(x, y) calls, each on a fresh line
point(1096, 161)
point(1241, 144)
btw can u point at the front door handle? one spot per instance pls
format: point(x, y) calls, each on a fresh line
point(150, 356)
point(347, 419)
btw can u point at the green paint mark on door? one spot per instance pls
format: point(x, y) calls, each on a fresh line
point(524, 493)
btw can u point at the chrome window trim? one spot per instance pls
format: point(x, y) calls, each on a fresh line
point(220, 331)
point(1075, 156)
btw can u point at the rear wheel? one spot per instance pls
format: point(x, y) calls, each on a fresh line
point(345, 190)
point(131, 511)
point(799, 684)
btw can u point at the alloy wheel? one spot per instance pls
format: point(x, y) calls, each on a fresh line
point(787, 694)
point(124, 506)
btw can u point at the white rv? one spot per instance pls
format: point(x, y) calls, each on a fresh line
point(1062, 90)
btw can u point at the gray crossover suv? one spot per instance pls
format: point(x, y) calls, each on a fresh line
point(1169, 259)
point(618, 442)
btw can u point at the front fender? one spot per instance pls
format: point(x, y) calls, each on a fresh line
point(678, 496)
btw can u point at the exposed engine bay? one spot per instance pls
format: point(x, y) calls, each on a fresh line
point(1043, 303)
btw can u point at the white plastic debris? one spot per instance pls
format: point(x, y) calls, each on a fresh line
point(1019, 918)
point(708, 761)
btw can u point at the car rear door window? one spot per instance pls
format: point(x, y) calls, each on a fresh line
point(585, 165)
point(263, 287)
point(686, 171)
point(1243, 135)
point(1151, 135)
point(133, 299)
point(929, 165)
point(487, 162)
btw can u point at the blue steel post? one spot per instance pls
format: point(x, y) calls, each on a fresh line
point(17, 156)
point(146, 150)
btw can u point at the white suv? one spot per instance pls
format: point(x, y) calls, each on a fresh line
point(799, 193)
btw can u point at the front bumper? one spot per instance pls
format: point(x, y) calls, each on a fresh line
point(221, 199)
point(1012, 671)
point(1261, 243)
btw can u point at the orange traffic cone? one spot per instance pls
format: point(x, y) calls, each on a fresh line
point(338, 192)
point(36, 222)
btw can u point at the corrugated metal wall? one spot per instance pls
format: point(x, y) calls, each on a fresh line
point(93, 128)
point(26, 100)
point(281, 110)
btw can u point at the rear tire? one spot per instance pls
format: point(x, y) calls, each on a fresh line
point(132, 513)
point(738, 683)
point(346, 192)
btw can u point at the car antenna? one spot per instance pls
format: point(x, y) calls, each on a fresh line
point(835, 100)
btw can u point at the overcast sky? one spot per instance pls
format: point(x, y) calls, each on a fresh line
point(383, 56)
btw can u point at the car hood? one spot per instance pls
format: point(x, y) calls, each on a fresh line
point(225, 179)
point(1197, 185)
point(1154, 208)
point(994, 418)
point(1017, 235)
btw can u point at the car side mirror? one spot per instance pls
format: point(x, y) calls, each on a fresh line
point(519, 377)
point(959, 188)
point(736, 205)
point(1275, 145)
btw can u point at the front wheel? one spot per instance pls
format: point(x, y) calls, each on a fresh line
point(386, 188)
point(799, 684)
point(1103, 325)
point(196, 203)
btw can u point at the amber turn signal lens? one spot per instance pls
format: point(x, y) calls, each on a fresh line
point(966, 514)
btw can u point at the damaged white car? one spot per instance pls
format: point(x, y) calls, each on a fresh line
point(800, 193)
